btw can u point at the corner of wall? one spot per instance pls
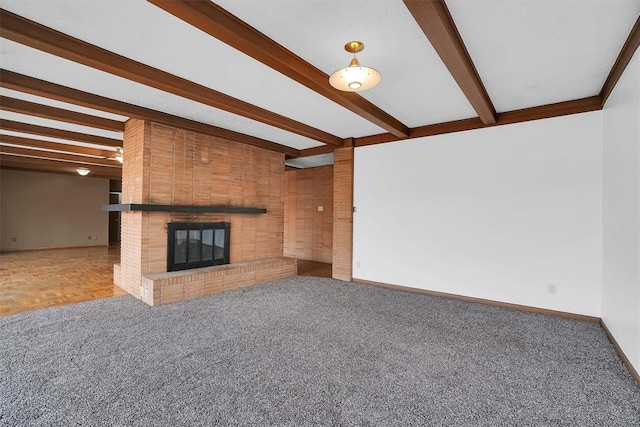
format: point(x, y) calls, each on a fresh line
point(621, 213)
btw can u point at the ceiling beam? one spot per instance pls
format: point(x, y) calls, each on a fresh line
point(577, 106)
point(38, 143)
point(32, 34)
point(54, 113)
point(626, 53)
point(434, 19)
point(8, 161)
point(517, 116)
point(79, 158)
point(219, 23)
point(26, 84)
point(322, 149)
point(58, 133)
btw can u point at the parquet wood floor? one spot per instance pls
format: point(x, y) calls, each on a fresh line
point(32, 280)
point(313, 268)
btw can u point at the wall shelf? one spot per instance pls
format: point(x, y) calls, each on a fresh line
point(181, 208)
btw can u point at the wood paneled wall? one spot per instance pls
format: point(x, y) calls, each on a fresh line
point(308, 233)
point(343, 213)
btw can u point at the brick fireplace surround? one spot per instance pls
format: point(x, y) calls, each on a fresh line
point(170, 166)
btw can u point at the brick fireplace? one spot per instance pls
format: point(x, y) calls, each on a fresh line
point(168, 166)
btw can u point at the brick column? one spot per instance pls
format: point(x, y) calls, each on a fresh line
point(135, 188)
point(342, 213)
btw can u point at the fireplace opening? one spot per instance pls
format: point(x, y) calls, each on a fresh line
point(197, 244)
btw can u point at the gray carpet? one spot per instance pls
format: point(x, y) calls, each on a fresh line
point(307, 351)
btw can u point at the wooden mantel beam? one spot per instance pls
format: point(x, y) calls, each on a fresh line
point(434, 19)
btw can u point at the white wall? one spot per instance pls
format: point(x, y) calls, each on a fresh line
point(621, 213)
point(495, 213)
point(42, 210)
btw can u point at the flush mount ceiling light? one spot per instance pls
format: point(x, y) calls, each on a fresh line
point(83, 171)
point(119, 154)
point(355, 77)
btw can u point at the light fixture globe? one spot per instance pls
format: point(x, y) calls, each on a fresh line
point(355, 77)
point(83, 171)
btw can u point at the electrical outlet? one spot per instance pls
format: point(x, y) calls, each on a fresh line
point(320, 208)
point(88, 237)
point(551, 288)
point(14, 239)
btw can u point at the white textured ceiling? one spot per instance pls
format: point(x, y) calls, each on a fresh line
point(416, 87)
point(527, 52)
point(531, 53)
point(34, 63)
